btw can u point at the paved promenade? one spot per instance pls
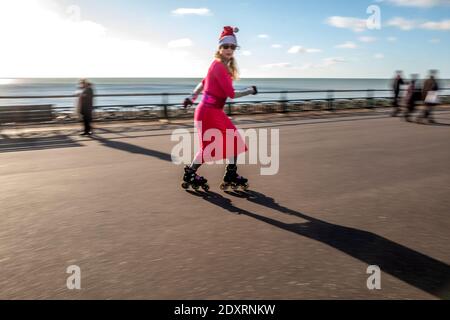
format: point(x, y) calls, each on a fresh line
point(351, 192)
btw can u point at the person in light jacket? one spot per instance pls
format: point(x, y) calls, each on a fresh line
point(430, 97)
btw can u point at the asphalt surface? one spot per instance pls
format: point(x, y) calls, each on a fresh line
point(350, 193)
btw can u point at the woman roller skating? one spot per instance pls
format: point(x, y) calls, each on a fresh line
point(217, 87)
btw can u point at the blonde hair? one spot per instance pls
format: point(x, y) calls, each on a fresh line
point(231, 66)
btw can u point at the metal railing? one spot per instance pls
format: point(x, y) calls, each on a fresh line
point(165, 110)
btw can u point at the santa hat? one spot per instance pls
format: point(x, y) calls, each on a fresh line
point(228, 36)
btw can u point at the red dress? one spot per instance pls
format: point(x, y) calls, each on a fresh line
point(210, 118)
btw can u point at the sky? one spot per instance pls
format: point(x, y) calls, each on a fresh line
point(281, 39)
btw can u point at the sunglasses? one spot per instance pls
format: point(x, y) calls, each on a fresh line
point(231, 46)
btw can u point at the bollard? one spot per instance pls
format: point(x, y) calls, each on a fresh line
point(283, 100)
point(165, 101)
point(230, 111)
point(330, 100)
point(370, 99)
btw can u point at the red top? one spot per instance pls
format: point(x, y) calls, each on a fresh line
point(218, 82)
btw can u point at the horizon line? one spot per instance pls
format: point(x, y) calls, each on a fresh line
point(243, 78)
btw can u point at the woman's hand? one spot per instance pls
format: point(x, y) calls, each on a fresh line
point(255, 90)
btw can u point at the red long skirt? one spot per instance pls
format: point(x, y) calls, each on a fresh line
point(219, 138)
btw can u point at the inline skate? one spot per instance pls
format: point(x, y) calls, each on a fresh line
point(191, 179)
point(233, 180)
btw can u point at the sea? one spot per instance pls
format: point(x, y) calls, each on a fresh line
point(40, 88)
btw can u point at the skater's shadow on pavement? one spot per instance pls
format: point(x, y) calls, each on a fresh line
point(410, 266)
point(431, 124)
point(123, 146)
point(440, 124)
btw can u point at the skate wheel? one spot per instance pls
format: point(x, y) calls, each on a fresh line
point(223, 187)
point(234, 187)
point(185, 185)
point(195, 188)
point(206, 187)
point(245, 187)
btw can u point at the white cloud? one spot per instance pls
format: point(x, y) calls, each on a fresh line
point(406, 25)
point(435, 41)
point(355, 24)
point(442, 25)
point(295, 49)
point(325, 63)
point(392, 39)
point(367, 39)
point(180, 43)
point(41, 42)
point(276, 46)
point(402, 23)
point(263, 36)
point(328, 62)
point(304, 67)
point(347, 45)
point(379, 56)
point(246, 53)
point(300, 49)
point(312, 50)
point(420, 3)
point(192, 11)
point(277, 65)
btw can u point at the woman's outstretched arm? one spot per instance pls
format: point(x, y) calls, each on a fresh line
point(189, 101)
point(198, 90)
point(245, 92)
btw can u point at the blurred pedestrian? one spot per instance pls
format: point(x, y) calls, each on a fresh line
point(85, 105)
point(430, 97)
point(396, 88)
point(413, 95)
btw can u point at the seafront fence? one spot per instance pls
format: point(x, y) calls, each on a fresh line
point(331, 100)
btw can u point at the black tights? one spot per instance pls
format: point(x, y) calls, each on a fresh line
point(195, 166)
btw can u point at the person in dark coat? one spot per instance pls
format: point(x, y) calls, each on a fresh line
point(85, 105)
point(430, 97)
point(396, 88)
point(413, 95)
